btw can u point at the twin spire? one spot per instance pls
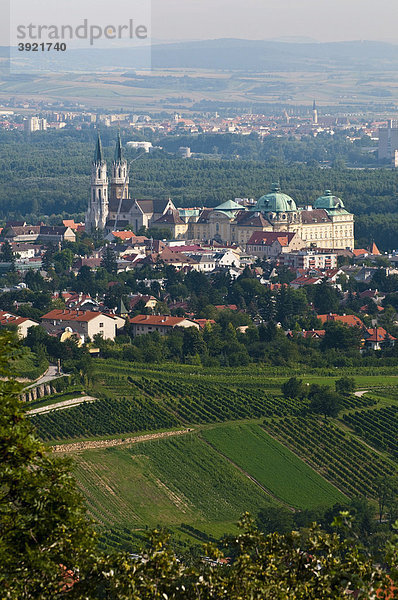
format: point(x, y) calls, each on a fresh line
point(99, 154)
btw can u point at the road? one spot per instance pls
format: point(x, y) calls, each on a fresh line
point(61, 405)
point(49, 375)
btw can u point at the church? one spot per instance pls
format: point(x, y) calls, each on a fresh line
point(110, 206)
point(326, 225)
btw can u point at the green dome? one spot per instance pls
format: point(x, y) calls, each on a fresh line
point(276, 202)
point(329, 202)
point(229, 205)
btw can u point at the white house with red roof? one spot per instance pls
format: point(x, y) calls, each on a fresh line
point(270, 244)
point(377, 338)
point(86, 323)
point(21, 323)
point(143, 324)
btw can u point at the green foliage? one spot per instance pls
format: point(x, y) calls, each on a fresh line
point(293, 388)
point(345, 386)
point(43, 528)
point(323, 401)
point(49, 174)
point(310, 566)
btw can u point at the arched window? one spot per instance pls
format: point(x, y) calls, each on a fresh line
point(120, 171)
point(99, 194)
point(99, 173)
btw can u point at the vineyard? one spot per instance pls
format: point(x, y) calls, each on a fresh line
point(340, 458)
point(141, 400)
point(173, 481)
point(377, 427)
point(274, 466)
point(103, 418)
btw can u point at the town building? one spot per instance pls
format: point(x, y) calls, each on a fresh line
point(271, 244)
point(326, 225)
point(85, 323)
point(21, 324)
point(309, 259)
point(388, 141)
point(143, 324)
point(42, 233)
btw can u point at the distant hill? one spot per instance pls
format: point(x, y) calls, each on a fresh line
point(242, 55)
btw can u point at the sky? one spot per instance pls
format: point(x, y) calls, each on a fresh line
point(173, 20)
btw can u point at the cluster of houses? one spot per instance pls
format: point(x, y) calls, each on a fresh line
point(83, 318)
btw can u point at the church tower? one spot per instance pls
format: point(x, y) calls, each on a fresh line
point(314, 114)
point(119, 177)
point(97, 212)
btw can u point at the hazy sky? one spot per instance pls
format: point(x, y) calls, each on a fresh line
point(327, 20)
point(323, 20)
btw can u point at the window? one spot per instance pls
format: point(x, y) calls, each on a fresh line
point(101, 324)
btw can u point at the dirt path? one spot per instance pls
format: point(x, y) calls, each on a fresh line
point(98, 444)
point(360, 393)
point(61, 405)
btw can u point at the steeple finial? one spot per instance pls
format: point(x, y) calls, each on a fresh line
point(118, 150)
point(98, 155)
point(314, 105)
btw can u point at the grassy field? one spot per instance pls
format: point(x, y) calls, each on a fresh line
point(168, 482)
point(273, 465)
point(249, 448)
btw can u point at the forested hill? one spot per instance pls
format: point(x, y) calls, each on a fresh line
point(49, 175)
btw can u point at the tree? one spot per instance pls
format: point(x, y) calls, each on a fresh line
point(386, 493)
point(109, 262)
point(293, 388)
point(323, 400)
point(340, 336)
point(345, 385)
point(192, 342)
point(7, 255)
point(43, 529)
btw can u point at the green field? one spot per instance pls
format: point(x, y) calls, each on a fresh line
point(168, 482)
point(272, 465)
point(250, 447)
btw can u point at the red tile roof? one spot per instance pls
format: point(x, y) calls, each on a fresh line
point(7, 318)
point(378, 334)
point(124, 235)
point(350, 320)
point(83, 316)
point(203, 322)
point(266, 238)
point(163, 320)
point(225, 306)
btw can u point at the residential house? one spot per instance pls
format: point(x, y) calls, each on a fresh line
point(148, 301)
point(143, 324)
point(21, 323)
point(377, 338)
point(271, 244)
point(86, 323)
point(350, 320)
point(308, 259)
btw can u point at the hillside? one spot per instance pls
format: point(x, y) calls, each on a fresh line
point(245, 447)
